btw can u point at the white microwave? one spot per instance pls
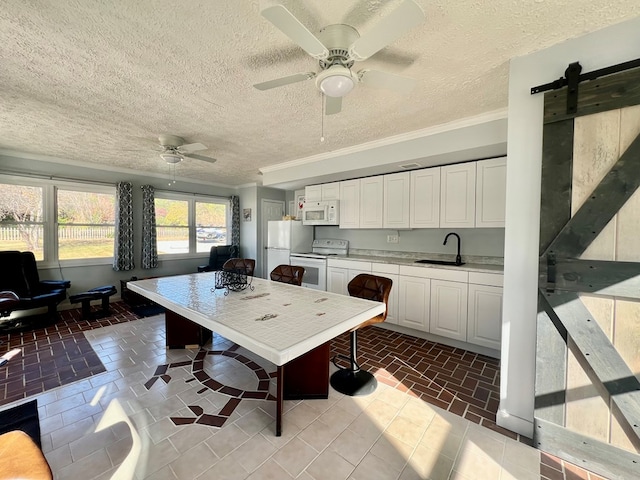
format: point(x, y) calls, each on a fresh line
point(321, 213)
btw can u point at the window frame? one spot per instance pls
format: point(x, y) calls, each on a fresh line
point(191, 200)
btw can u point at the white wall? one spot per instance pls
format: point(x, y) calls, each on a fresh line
point(604, 48)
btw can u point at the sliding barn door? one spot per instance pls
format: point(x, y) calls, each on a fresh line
point(587, 408)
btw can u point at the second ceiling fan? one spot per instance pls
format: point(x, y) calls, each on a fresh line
point(337, 47)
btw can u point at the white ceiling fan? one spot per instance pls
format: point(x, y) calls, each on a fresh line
point(174, 150)
point(338, 46)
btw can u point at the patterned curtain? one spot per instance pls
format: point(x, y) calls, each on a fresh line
point(149, 240)
point(235, 221)
point(123, 245)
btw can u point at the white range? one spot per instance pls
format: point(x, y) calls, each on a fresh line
point(315, 261)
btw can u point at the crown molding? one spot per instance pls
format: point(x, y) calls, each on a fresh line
point(403, 137)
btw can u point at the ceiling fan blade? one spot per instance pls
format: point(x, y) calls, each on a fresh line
point(390, 28)
point(389, 81)
point(195, 156)
point(332, 105)
point(279, 82)
point(192, 147)
point(288, 24)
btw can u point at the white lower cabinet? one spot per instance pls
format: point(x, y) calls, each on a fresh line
point(485, 316)
point(413, 302)
point(462, 305)
point(337, 280)
point(448, 312)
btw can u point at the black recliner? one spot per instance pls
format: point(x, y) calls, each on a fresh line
point(217, 256)
point(19, 274)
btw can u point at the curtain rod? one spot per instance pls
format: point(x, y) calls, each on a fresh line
point(54, 177)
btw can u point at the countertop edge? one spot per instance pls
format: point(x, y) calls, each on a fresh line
point(469, 267)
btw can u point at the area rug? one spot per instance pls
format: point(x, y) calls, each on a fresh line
point(22, 417)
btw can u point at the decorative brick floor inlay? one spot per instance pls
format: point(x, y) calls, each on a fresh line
point(52, 353)
point(199, 373)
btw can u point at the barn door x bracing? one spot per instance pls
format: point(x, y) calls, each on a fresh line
point(587, 408)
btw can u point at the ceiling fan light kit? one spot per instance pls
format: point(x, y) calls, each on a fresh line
point(336, 81)
point(171, 158)
point(338, 46)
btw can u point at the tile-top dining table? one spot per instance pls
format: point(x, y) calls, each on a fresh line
point(287, 325)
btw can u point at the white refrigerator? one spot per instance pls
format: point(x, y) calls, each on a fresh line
point(285, 237)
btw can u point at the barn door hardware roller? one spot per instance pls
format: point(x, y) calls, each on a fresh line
point(573, 77)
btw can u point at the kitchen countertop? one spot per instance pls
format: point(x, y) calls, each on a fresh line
point(469, 267)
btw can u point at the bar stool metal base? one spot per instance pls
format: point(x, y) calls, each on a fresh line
point(353, 383)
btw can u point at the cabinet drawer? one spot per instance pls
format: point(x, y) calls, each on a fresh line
point(492, 279)
point(351, 264)
point(385, 268)
point(435, 273)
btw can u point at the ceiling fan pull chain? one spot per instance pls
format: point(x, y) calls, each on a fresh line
point(322, 117)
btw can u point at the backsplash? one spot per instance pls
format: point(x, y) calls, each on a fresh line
point(474, 242)
point(481, 260)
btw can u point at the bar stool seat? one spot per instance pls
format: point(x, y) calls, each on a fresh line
point(21, 458)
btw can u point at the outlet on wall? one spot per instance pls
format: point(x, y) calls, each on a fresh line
point(392, 238)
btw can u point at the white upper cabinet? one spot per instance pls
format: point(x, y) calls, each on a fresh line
point(396, 200)
point(371, 199)
point(319, 193)
point(458, 195)
point(424, 210)
point(491, 187)
point(313, 193)
point(331, 191)
point(350, 204)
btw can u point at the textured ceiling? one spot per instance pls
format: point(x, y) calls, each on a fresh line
point(97, 82)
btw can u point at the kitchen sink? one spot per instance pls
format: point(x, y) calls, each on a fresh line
point(439, 262)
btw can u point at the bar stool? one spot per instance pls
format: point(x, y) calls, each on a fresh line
point(240, 265)
point(288, 274)
point(352, 381)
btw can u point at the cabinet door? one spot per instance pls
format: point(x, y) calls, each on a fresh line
point(313, 193)
point(396, 200)
point(491, 192)
point(449, 309)
point(337, 280)
point(413, 302)
point(331, 191)
point(350, 204)
point(424, 208)
point(485, 316)
point(371, 197)
point(458, 195)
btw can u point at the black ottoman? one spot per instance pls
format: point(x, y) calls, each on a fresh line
point(98, 293)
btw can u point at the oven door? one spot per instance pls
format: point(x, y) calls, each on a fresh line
point(315, 271)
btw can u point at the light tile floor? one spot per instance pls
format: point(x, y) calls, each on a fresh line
point(388, 435)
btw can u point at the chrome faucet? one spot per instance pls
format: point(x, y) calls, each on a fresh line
point(458, 258)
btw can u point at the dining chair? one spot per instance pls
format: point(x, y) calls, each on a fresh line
point(291, 274)
point(240, 265)
point(352, 380)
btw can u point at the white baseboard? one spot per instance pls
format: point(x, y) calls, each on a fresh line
point(516, 424)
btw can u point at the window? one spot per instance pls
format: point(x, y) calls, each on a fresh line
point(22, 218)
point(86, 223)
point(187, 224)
point(172, 226)
point(211, 221)
point(57, 220)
